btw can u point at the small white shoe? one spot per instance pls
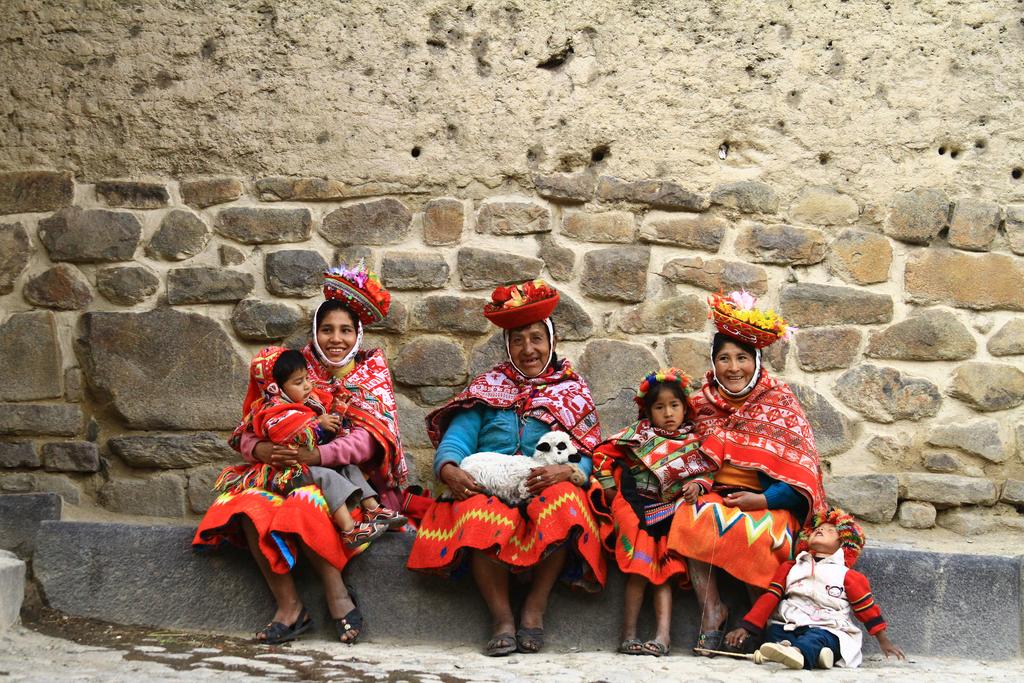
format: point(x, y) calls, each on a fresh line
point(826, 658)
point(783, 654)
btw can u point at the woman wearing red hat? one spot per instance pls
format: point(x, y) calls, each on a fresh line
point(275, 527)
point(506, 410)
point(769, 475)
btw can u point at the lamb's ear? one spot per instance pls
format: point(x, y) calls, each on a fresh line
point(576, 457)
point(543, 447)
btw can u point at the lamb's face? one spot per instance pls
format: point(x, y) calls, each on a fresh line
point(555, 448)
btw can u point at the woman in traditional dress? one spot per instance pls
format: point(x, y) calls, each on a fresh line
point(506, 410)
point(769, 475)
point(274, 527)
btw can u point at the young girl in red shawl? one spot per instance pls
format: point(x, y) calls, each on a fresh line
point(647, 470)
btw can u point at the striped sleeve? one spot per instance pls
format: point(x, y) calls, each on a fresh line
point(858, 592)
point(605, 456)
point(758, 615)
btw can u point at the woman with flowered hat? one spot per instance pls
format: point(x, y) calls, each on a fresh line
point(768, 477)
point(645, 470)
point(275, 527)
point(507, 410)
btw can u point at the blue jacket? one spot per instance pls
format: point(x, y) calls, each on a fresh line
point(497, 430)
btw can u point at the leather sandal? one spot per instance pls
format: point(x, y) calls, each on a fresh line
point(655, 648)
point(530, 640)
point(352, 621)
point(632, 646)
point(501, 645)
point(276, 632)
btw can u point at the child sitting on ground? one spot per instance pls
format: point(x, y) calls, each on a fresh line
point(286, 413)
point(647, 470)
point(811, 602)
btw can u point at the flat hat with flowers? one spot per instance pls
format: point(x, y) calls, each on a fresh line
point(516, 306)
point(361, 291)
point(736, 315)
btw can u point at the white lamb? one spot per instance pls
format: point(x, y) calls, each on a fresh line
point(505, 476)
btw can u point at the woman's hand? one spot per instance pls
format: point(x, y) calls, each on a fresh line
point(285, 456)
point(458, 481)
point(691, 492)
point(745, 500)
point(542, 477)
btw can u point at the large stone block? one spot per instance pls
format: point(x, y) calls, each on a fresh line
point(810, 305)
point(252, 225)
point(512, 217)
point(396, 321)
point(159, 495)
point(827, 348)
point(833, 433)
point(19, 454)
point(692, 356)
point(207, 285)
point(872, 497)
point(716, 275)
point(782, 244)
point(1009, 340)
point(947, 490)
point(689, 232)
point(71, 456)
point(974, 224)
point(414, 270)
point(746, 196)
point(887, 395)
point(949, 463)
point(606, 380)
point(570, 188)
point(486, 355)
point(265, 321)
point(1014, 227)
point(15, 251)
point(972, 521)
point(131, 194)
point(443, 220)
point(30, 359)
point(61, 288)
point(926, 335)
point(12, 589)
point(35, 191)
point(914, 514)
point(559, 260)
point(660, 194)
point(172, 451)
point(199, 489)
point(917, 216)
point(988, 386)
point(1013, 492)
point(608, 226)
point(45, 419)
point(375, 222)
point(431, 361)
point(412, 417)
point(20, 517)
point(687, 313)
point(982, 282)
point(90, 235)
point(131, 373)
point(205, 192)
point(291, 189)
point(447, 314)
point(127, 285)
point(483, 268)
point(823, 205)
point(571, 321)
point(294, 272)
point(978, 437)
point(860, 258)
point(616, 273)
point(182, 235)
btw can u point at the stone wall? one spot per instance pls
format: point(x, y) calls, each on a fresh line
point(131, 308)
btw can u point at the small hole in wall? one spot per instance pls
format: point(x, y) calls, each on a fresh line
point(599, 153)
point(980, 144)
point(942, 150)
point(723, 150)
point(1017, 173)
point(415, 152)
point(954, 153)
point(824, 158)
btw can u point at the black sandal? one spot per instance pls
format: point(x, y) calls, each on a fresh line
point(530, 640)
point(632, 646)
point(500, 645)
point(276, 632)
point(353, 621)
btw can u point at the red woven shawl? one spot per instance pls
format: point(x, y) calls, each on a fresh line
point(559, 396)
point(769, 432)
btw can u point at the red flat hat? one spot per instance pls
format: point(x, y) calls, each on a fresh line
point(527, 314)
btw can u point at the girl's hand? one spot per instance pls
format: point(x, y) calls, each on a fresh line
point(736, 637)
point(745, 500)
point(341, 404)
point(889, 647)
point(691, 492)
point(330, 422)
point(542, 477)
point(458, 481)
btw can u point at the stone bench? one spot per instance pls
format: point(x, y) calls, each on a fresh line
point(937, 604)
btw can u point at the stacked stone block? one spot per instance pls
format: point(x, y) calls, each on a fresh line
point(130, 309)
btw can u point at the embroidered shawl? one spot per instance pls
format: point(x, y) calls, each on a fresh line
point(373, 406)
point(769, 433)
point(557, 397)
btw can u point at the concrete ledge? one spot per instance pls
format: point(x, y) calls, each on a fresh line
point(12, 588)
point(20, 516)
point(937, 604)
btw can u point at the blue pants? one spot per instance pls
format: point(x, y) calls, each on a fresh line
point(809, 640)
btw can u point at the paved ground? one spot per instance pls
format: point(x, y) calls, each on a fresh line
point(100, 652)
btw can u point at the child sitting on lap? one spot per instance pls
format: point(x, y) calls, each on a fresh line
point(811, 602)
point(286, 413)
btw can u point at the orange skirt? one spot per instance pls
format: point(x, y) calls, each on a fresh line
point(636, 551)
point(749, 545)
point(560, 514)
